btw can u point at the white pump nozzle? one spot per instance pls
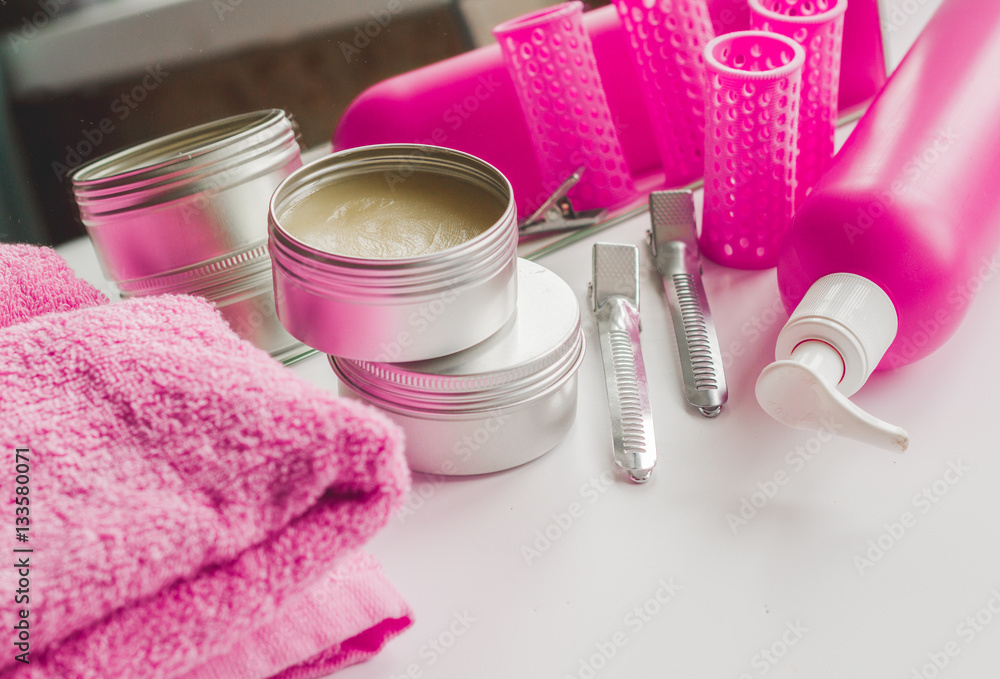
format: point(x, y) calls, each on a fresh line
point(828, 348)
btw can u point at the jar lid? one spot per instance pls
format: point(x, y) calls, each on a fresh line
point(187, 212)
point(536, 349)
point(198, 160)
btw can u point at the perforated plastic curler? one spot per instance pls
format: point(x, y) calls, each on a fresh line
point(551, 61)
point(667, 40)
point(817, 25)
point(750, 140)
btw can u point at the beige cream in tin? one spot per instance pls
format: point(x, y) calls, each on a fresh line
point(394, 252)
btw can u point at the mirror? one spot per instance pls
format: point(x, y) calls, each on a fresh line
point(82, 78)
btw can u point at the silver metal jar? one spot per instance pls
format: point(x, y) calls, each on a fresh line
point(187, 214)
point(496, 405)
point(403, 309)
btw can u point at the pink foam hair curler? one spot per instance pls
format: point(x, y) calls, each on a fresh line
point(817, 25)
point(750, 136)
point(551, 60)
point(667, 39)
point(468, 102)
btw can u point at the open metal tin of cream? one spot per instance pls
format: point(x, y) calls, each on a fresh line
point(187, 214)
point(394, 253)
point(497, 405)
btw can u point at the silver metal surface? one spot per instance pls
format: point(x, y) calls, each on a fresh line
point(615, 296)
point(187, 214)
point(557, 214)
point(496, 405)
point(162, 211)
point(674, 244)
point(395, 310)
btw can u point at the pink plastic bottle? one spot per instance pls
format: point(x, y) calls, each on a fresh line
point(881, 259)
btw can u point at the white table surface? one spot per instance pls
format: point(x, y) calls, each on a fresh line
point(661, 573)
point(857, 564)
point(737, 592)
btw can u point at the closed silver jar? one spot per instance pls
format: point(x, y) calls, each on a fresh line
point(494, 406)
point(406, 308)
point(187, 214)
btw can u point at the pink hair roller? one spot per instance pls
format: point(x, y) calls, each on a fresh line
point(551, 61)
point(750, 140)
point(668, 38)
point(817, 25)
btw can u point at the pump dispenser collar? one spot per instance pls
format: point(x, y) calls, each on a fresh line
point(827, 350)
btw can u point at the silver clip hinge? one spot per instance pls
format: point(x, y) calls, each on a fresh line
point(615, 296)
point(674, 244)
point(557, 214)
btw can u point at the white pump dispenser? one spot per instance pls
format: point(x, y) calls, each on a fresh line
point(827, 350)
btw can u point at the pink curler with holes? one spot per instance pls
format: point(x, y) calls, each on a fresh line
point(750, 140)
point(817, 25)
point(667, 40)
point(551, 61)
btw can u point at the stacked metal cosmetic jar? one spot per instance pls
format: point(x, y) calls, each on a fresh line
point(473, 352)
point(187, 214)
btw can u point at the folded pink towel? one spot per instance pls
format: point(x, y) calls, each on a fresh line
point(331, 624)
point(196, 508)
point(36, 281)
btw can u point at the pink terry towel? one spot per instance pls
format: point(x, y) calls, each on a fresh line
point(195, 508)
point(35, 281)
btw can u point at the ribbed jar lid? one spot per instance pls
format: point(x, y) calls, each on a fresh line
point(187, 212)
point(209, 157)
point(540, 346)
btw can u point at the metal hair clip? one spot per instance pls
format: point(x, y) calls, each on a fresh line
point(615, 295)
point(674, 242)
point(557, 213)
